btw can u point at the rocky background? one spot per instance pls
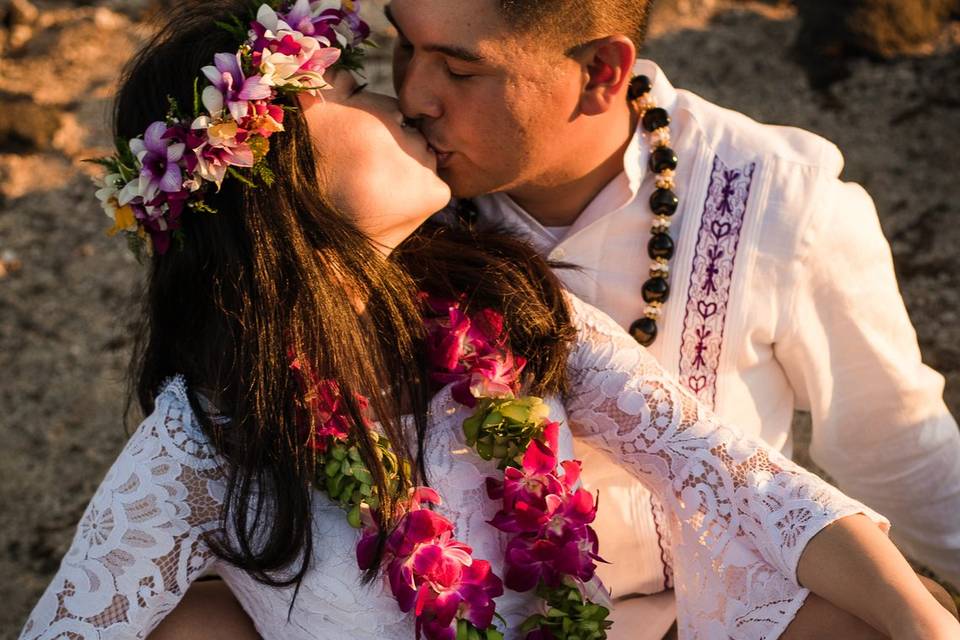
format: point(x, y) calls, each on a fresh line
point(881, 78)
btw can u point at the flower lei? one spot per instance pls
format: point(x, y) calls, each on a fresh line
point(286, 50)
point(553, 548)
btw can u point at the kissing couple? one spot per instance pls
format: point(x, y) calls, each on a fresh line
point(513, 356)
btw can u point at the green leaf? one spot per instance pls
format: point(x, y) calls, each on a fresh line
point(332, 468)
point(109, 163)
point(462, 629)
point(265, 173)
point(362, 474)
point(242, 178)
point(196, 96)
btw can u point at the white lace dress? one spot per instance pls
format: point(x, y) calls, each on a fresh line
point(739, 515)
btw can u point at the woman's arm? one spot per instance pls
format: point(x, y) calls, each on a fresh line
point(740, 514)
point(851, 553)
point(139, 545)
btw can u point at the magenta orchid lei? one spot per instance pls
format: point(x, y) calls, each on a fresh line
point(286, 49)
point(553, 548)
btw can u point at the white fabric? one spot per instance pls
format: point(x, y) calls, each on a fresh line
point(558, 233)
point(814, 321)
point(739, 514)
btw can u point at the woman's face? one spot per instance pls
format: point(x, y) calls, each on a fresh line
point(372, 167)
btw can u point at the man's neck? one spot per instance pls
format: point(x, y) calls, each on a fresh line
point(559, 204)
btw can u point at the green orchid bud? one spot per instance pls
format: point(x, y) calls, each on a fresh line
point(493, 418)
point(471, 427)
point(354, 516)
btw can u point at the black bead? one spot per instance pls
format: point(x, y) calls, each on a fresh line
point(656, 290)
point(654, 119)
point(638, 87)
point(664, 202)
point(660, 246)
point(663, 158)
point(644, 331)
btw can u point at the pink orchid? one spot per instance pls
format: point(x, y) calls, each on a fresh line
point(224, 145)
point(325, 416)
point(470, 353)
point(287, 56)
point(264, 119)
point(550, 516)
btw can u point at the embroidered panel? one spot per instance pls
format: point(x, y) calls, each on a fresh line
point(711, 277)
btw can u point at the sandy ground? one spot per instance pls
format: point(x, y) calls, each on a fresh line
point(66, 290)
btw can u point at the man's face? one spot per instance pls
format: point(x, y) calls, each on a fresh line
point(493, 102)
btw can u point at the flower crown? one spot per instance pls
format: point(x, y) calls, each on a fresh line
point(286, 50)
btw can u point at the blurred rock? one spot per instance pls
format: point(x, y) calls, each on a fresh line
point(9, 263)
point(882, 28)
point(17, 19)
point(25, 126)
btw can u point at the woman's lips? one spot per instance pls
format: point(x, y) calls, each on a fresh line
point(443, 157)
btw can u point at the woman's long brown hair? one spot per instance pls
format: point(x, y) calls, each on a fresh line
point(266, 278)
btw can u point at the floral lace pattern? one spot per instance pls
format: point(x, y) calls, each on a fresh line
point(138, 545)
point(738, 515)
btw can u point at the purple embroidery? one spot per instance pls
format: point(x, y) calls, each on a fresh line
point(711, 276)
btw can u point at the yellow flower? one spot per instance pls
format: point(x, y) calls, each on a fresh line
point(123, 220)
point(223, 131)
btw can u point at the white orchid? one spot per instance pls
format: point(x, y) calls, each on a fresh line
point(108, 192)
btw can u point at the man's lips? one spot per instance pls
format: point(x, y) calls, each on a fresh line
point(443, 157)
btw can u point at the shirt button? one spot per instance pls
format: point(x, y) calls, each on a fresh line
point(558, 254)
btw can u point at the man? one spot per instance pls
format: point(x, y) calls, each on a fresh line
point(782, 288)
point(782, 293)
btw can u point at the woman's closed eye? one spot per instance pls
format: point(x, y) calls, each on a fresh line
point(358, 89)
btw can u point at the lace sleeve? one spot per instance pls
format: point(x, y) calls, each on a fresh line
point(724, 493)
point(138, 546)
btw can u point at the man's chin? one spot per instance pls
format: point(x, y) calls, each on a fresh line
point(463, 185)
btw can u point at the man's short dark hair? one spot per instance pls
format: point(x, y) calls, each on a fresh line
point(576, 22)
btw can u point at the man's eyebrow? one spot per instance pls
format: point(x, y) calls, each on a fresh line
point(453, 51)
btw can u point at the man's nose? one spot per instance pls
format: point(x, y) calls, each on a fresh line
point(417, 95)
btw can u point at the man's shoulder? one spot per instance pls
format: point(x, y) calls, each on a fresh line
point(738, 139)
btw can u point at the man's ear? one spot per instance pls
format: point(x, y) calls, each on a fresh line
point(607, 65)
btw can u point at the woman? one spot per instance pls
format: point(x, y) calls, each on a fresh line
point(291, 370)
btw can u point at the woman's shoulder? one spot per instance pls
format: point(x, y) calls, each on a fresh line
point(588, 319)
point(174, 429)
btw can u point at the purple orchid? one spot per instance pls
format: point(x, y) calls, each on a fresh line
point(231, 87)
point(159, 155)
